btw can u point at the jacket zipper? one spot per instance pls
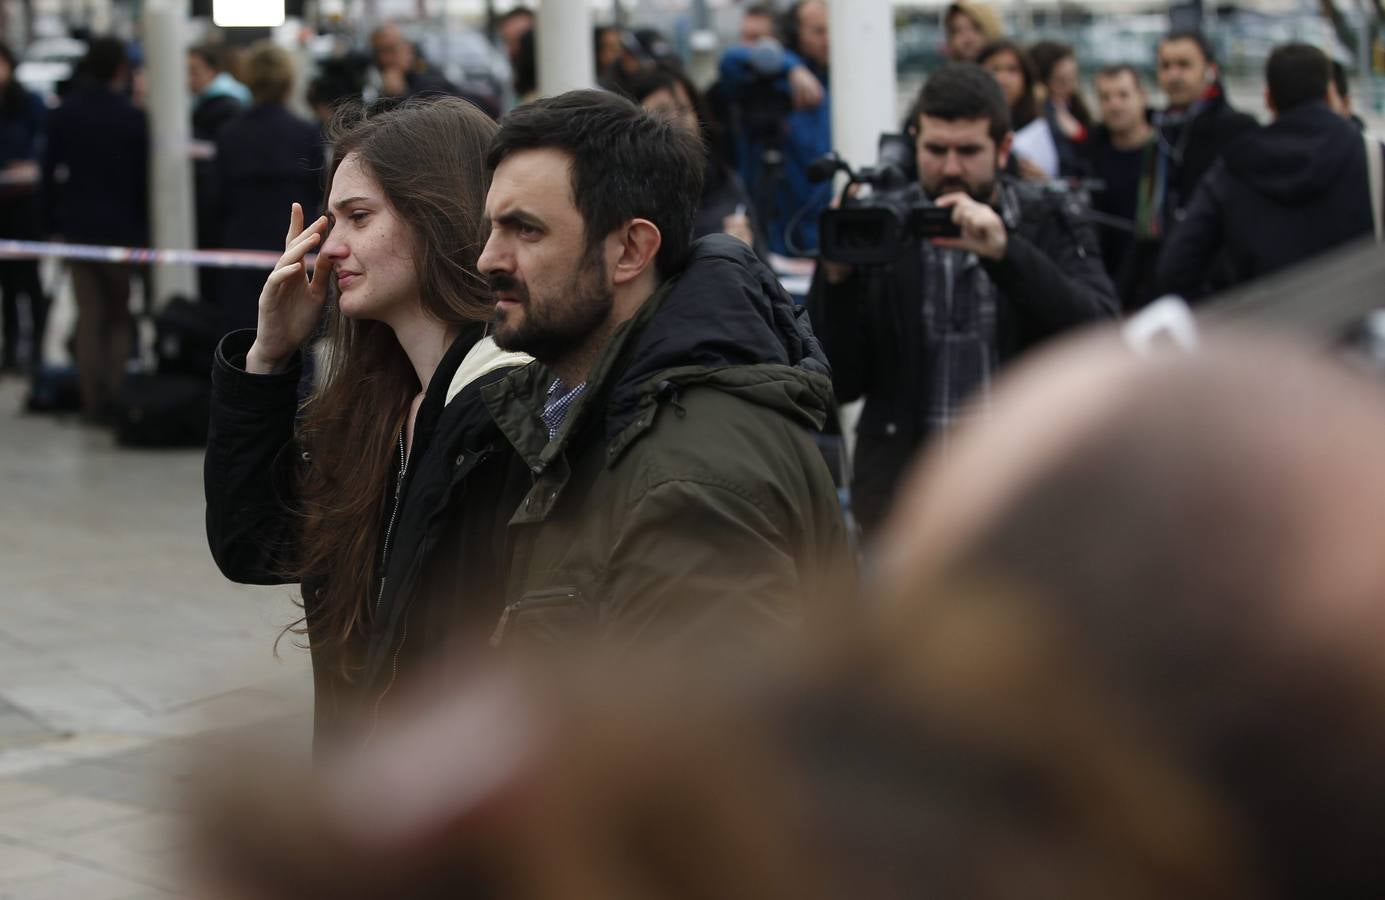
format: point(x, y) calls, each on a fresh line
point(404, 635)
point(380, 597)
point(389, 529)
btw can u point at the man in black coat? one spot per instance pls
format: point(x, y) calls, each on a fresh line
point(1278, 196)
point(1119, 152)
point(922, 338)
point(95, 176)
point(1195, 127)
point(404, 74)
point(217, 99)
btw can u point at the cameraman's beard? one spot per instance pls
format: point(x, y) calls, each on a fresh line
point(982, 193)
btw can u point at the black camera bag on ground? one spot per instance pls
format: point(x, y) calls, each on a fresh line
point(164, 410)
point(170, 408)
point(185, 337)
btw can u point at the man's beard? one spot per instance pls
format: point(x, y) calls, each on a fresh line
point(982, 193)
point(552, 328)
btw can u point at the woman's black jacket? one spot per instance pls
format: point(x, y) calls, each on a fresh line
point(442, 571)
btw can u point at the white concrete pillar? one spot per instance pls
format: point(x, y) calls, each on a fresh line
point(1365, 78)
point(563, 43)
point(171, 210)
point(861, 48)
point(863, 77)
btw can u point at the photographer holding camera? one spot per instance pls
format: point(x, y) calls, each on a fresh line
point(781, 120)
point(922, 327)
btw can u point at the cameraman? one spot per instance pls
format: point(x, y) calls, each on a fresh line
point(781, 120)
point(922, 338)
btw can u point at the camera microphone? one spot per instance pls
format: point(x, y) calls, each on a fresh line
point(825, 166)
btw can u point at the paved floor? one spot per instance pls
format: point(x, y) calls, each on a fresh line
point(124, 658)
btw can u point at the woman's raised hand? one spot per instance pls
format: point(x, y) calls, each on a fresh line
point(291, 303)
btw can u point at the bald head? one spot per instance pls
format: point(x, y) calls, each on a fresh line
point(1209, 532)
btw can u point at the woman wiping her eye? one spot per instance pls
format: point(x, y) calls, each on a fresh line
point(384, 493)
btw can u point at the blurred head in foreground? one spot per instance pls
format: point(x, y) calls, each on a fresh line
point(855, 776)
point(549, 781)
point(1205, 534)
point(1130, 655)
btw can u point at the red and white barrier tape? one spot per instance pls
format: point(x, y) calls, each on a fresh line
point(222, 259)
point(794, 274)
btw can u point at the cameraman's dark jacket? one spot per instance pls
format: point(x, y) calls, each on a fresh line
point(872, 327)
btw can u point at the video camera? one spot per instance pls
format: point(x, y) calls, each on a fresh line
point(762, 105)
point(878, 227)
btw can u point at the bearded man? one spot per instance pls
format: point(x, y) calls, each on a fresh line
point(922, 338)
point(668, 421)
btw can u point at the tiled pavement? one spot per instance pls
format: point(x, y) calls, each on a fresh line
point(125, 659)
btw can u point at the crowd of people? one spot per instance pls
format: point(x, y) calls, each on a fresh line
point(1132, 172)
point(1143, 168)
point(538, 438)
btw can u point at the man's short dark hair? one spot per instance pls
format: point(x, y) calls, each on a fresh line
point(516, 13)
point(650, 80)
point(1296, 74)
point(1120, 69)
point(963, 90)
point(104, 59)
point(626, 164)
point(763, 10)
point(1204, 46)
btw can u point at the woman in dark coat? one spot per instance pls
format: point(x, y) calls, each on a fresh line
point(267, 159)
point(385, 495)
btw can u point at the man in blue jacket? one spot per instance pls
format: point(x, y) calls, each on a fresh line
point(782, 121)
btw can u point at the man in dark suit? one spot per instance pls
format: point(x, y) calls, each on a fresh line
point(217, 98)
point(95, 173)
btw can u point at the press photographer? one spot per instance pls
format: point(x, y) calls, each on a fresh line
point(781, 120)
point(920, 336)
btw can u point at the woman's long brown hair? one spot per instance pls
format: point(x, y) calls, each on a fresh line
point(427, 157)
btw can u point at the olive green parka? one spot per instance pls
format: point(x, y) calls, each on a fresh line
point(684, 494)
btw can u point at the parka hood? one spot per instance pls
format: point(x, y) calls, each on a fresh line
point(1297, 157)
point(726, 322)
